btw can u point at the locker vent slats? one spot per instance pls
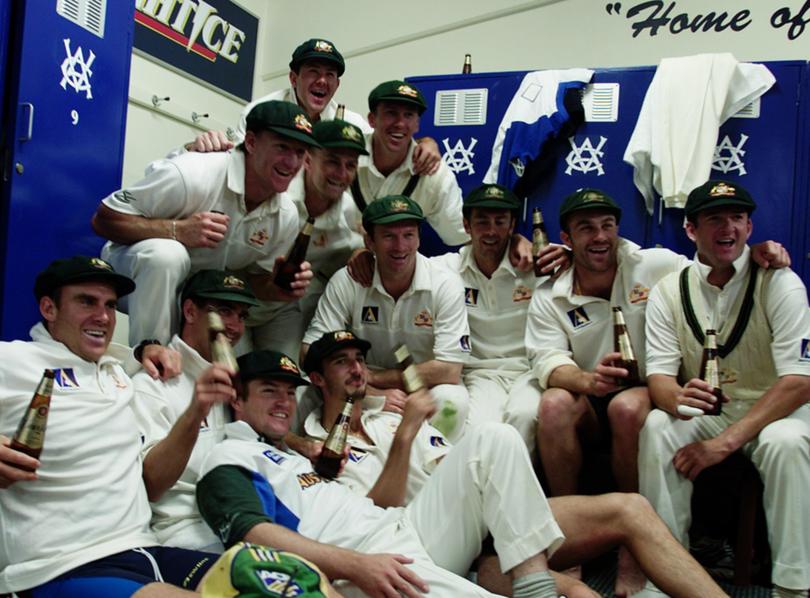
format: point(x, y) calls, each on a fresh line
point(749, 110)
point(88, 14)
point(460, 107)
point(601, 102)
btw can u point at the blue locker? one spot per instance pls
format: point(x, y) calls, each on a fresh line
point(765, 154)
point(476, 140)
point(762, 154)
point(801, 207)
point(65, 118)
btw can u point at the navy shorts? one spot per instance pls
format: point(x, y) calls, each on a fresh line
point(121, 575)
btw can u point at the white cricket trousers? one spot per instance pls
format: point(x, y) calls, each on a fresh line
point(484, 484)
point(781, 454)
point(504, 396)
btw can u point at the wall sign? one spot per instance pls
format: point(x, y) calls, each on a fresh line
point(210, 40)
point(656, 16)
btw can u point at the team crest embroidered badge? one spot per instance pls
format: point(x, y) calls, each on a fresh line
point(521, 293)
point(639, 293)
point(578, 317)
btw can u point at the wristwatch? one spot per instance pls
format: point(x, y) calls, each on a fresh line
point(138, 352)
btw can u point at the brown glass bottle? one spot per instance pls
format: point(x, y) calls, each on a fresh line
point(328, 463)
point(710, 370)
point(292, 263)
point(30, 435)
point(467, 68)
point(622, 344)
point(221, 348)
point(340, 112)
point(539, 237)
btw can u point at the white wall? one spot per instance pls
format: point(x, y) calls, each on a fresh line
point(151, 133)
point(387, 40)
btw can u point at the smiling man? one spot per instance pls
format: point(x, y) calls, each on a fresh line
point(75, 521)
point(215, 210)
point(181, 422)
point(763, 326)
point(253, 488)
point(316, 67)
point(501, 384)
point(411, 302)
point(569, 341)
point(395, 108)
point(319, 191)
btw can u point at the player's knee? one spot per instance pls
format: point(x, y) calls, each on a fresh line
point(557, 406)
point(630, 508)
point(627, 414)
point(786, 437)
point(164, 256)
point(495, 434)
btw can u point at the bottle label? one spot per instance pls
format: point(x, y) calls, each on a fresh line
point(337, 436)
point(411, 379)
point(539, 240)
point(31, 432)
point(712, 373)
point(222, 352)
point(625, 347)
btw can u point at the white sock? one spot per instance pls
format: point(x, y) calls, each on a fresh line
point(534, 585)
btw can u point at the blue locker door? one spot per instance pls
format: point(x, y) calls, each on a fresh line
point(593, 157)
point(760, 153)
point(5, 25)
point(469, 146)
point(67, 96)
point(801, 203)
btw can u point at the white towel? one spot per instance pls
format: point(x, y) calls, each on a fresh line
point(672, 146)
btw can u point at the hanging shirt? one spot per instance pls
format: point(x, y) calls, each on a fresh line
point(535, 114)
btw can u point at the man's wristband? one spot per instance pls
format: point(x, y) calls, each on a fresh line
point(138, 352)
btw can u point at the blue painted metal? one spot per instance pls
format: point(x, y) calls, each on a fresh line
point(777, 157)
point(801, 204)
point(75, 152)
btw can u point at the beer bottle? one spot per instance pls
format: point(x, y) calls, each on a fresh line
point(539, 237)
point(622, 344)
point(467, 68)
point(340, 112)
point(410, 377)
point(292, 263)
point(30, 434)
point(221, 349)
point(328, 463)
point(446, 420)
point(710, 370)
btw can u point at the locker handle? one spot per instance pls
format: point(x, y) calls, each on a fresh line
point(29, 134)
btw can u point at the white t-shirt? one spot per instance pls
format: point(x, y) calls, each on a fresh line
point(194, 182)
point(496, 310)
point(568, 329)
point(367, 460)
point(88, 500)
point(158, 405)
point(437, 194)
point(429, 317)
